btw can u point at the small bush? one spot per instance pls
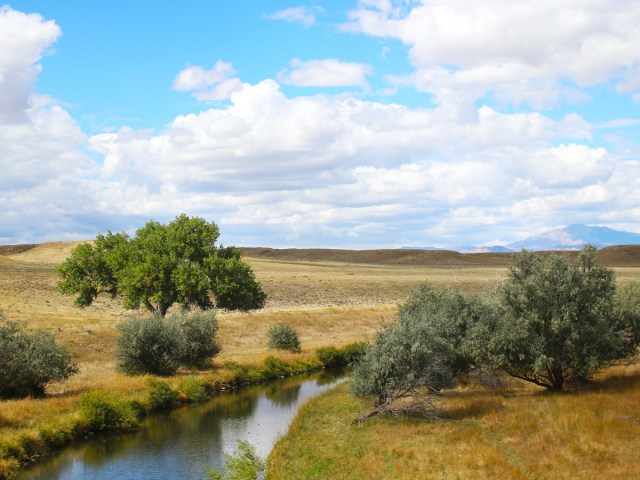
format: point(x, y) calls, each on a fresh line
point(29, 361)
point(198, 331)
point(12, 450)
point(244, 464)
point(160, 345)
point(102, 411)
point(148, 345)
point(191, 389)
point(58, 435)
point(30, 442)
point(627, 310)
point(284, 337)
point(8, 467)
point(274, 367)
point(161, 396)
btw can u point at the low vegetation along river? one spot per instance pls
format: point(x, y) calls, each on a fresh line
point(183, 443)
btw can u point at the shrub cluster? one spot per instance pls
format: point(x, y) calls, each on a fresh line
point(160, 395)
point(284, 337)
point(332, 357)
point(551, 322)
point(103, 411)
point(159, 345)
point(29, 361)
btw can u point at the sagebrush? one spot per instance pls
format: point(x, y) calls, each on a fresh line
point(29, 361)
point(160, 345)
point(284, 337)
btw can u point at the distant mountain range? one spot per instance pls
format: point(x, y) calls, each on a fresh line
point(572, 237)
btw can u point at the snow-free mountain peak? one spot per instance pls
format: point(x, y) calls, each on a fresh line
point(575, 236)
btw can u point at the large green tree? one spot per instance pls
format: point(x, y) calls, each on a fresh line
point(162, 265)
point(556, 321)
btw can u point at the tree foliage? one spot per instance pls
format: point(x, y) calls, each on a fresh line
point(30, 361)
point(556, 321)
point(160, 266)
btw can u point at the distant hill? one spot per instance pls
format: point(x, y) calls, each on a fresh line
point(574, 237)
point(617, 256)
point(380, 257)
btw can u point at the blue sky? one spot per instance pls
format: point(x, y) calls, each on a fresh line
point(354, 124)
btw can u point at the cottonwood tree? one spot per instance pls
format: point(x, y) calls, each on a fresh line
point(162, 265)
point(556, 321)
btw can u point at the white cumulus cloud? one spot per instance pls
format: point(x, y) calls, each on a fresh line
point(330, 170)
point(340, 171)
point(217, 83)
point(23, 40)
point(328, 72)
point(523, 52)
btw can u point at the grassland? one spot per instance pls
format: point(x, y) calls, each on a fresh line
point(331, 297)
point(520, 433)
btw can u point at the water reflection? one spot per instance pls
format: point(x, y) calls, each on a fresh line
point(329, 377)
point(182, 443)
point(283, 395)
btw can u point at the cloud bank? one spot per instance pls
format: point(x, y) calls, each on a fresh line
point(538, 53)
point(338, 170)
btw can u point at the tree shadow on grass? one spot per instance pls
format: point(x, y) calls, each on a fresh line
point(463, 405)
point(619, 379)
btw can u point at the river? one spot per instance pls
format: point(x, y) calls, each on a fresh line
point(181, 444)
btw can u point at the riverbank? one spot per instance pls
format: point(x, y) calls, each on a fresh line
point(44, 426)
point(516, 433)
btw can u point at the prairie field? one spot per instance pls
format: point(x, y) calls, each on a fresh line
point(331, 297)
point(329, 302)
point(519, 433)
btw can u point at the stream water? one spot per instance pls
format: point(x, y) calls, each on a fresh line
point(183, 443)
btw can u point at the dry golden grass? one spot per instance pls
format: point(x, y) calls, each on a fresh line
point(329, 303)
point(522, 433)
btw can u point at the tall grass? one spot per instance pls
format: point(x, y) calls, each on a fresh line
point(520, 433)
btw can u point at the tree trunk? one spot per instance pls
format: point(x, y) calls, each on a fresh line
point(557, 378)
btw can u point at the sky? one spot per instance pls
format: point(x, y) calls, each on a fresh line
point(342, 124)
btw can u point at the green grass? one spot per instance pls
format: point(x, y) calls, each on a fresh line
point(523, 433)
